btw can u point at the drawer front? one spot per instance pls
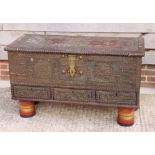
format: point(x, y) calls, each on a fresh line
point(73, 95)
point(31, 92)
point(116, 97)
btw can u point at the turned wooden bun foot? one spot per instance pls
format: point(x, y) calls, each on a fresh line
point(27, 108)
point(125, 116)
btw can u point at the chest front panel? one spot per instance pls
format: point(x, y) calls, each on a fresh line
point(76, 71)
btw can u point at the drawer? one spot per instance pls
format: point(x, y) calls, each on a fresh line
point(33, 92)
point(116, 97)
point(73, 94)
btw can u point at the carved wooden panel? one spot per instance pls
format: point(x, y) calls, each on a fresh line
point(113, 97)
point(73, 95)
point(91, 71)
point(42, 68)
point(32, 92)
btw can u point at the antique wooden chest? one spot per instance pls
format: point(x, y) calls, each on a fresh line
point(102, 71)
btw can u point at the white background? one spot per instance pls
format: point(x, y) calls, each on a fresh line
point(83, 11)
point(77, 11)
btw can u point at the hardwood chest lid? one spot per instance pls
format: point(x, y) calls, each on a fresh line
point(78, 45)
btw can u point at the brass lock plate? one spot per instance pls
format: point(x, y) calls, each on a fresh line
point(71, 63)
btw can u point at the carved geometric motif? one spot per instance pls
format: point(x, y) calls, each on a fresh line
point(42, 69)
point(101, 71)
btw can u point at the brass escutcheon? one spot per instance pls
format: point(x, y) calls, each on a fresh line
point(71, 63)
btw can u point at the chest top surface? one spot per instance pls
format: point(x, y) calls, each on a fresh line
point(78, 45)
